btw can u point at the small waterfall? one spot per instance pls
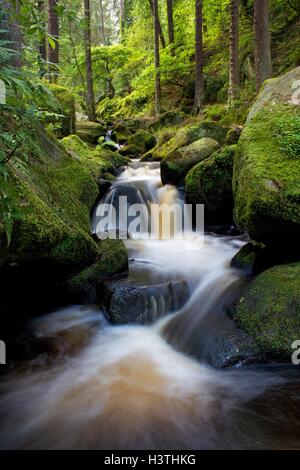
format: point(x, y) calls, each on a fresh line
point(98, 386)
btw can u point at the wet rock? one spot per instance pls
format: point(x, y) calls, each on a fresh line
point(233, 135)
point(210, 183)
point(90, 131)
point(125, 303)
point(266, 179)
point(175, 167)
point(231, 346)
point(269, 310)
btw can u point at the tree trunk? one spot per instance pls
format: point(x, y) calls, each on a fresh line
point(171, 25)
point(199, 80)
point(102, 23)
point(53, 30)
point(90, 97)
point(157, 58)
point(263, 59)
point(234, 77)
point(160, 31)
point(42, 39)
point(10, 24)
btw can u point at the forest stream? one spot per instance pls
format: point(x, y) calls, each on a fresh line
point(148, 385)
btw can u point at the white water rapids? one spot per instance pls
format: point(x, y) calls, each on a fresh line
point(98, 386)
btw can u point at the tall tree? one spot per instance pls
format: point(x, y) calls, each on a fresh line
point(42, 37)
point(53, 48)
point(160, 31)
point(104, 40)
point(90, 96)
point(234, 76)
point(263, 58)
point(11, 30)
point(171, 24)
point(157, 57)
point(199, 79)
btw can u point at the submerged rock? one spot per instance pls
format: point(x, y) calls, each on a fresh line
point(175, 167)
point(269, 310)
point(210, 183)
point(125, 303)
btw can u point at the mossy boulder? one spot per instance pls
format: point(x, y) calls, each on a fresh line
point(175, 167)
point(269, 310)
point(67, 109)
point(98, 159)
point(233, 135)
point(90, 132)
point(169, 118)
point(50, 233)
point(189, 134)
point(130, 151)
point(110, 145)
point(143, 140)
point(250, 259)
point(278, 90)
point(266, 177)
point(112, 262)
point(210, 183)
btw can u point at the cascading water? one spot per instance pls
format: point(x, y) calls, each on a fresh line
point(135, 387)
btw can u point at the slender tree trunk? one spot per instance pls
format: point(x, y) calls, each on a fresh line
point(10, 24)
point(263, 58)
point(157, 58)
point(234, 77)
point(53, 30)
point(171, 25)
point(102, 23)
point(42, 39)
point(160, 31)
point(122, 18)
point(90, 96)
point(199, 79)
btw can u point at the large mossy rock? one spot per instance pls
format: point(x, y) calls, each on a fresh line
point(175, 167)
point(143, 140)
point(269, 310)
point(99, 160)
point(67, 110)
point(169, 118)
point(189, 134)
point(138, 144)
point(112, 262)
point(210, 183)
point(276, 91)
point(54, 193)
point(266, 177)
point(90, 132)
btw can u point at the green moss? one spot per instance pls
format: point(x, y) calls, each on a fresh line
point(267, 174)
point(66, 100)
point(90, 132)
point(189, 134)
point(175, 167)
point(270, 310)
point(98, 159)
point(210, 183)
point(143, 140)
point(113, 259)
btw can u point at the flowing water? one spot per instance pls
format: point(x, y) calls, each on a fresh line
point(98, 386)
